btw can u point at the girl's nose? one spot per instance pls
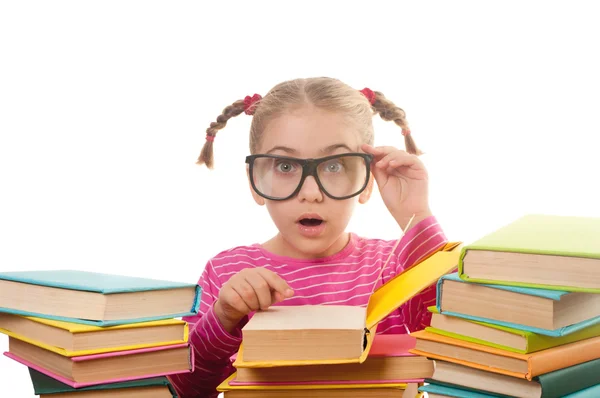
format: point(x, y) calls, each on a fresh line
point(310, 191)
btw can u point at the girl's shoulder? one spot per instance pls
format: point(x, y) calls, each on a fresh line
point(365, 243)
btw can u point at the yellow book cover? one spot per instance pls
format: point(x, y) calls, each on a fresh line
point(226, 386)
point(82, 328)
point(382, 302)
point(76, 328)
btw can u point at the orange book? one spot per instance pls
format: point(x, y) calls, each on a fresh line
point(525, 366)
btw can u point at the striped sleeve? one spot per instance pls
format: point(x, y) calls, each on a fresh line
point(213, 346)
point(419, 242)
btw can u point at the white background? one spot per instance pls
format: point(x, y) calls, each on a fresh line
point(104, 107)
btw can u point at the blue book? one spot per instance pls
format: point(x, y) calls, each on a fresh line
point(548, 312)
point(95, 298)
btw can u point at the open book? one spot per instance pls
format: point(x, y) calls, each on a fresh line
point(318, 334)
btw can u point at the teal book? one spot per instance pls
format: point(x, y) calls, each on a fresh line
point(556, 384)
point(508, 303)
point(537, 250)
point(44, 385)
point(567, 381)
point(95, 298)
point(454, 392)
point(590, 392)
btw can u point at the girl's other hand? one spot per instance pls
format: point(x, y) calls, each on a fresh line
point(402, 181)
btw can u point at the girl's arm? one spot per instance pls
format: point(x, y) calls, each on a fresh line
point(425, 238)
point(212, 345)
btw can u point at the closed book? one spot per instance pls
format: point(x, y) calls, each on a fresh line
point(547, 312)
point(95, 298)
point(318, 390)
point(89, 370)
point(502, 337)
point(435, 390)
point(389, 361)
point(76, 339)
point(525, 366)
point(554, 384)
point(153, 387)
point(537, 250)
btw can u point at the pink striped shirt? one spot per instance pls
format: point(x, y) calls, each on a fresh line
point(347, 277)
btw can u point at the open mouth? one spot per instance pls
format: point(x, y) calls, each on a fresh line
point(310, 222)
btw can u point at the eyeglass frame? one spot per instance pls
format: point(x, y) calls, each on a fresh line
point(309, 168)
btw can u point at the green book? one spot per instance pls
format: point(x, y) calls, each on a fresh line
point(502, 337)
point(538, 251)
point(47, 386)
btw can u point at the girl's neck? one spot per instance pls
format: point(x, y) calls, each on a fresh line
point(280, 247)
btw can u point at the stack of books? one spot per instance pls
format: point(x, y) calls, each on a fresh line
point(334, 350)
point(90, 334)
point(521, 317)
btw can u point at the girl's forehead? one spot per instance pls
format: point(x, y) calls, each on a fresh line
point(309, 132)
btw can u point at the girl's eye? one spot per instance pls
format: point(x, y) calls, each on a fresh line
point(333, 167)
point(284, 167)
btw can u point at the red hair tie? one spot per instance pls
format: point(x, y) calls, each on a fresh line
point(367, 92)
point(405, 132)
point(250, 103)
point(210, 138)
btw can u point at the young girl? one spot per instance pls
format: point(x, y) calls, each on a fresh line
point(312, 161)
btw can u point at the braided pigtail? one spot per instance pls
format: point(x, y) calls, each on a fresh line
point(247, 105)
point(388, 111)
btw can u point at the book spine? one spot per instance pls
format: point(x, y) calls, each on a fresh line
point(563, 356)
point(571, 379)
point(473, 340)
point(538, 342)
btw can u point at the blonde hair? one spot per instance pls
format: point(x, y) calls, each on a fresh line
point(322, 92)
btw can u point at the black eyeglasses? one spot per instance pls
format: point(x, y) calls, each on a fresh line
point(339, 176)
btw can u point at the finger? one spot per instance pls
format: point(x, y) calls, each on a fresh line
point(276, 283)
point(384, 162)
point(371, 149)
point(261, 289)
point(276, 297)
point(231, 298)
point(397, 159)
point(247, 293)
point(379, 150)
point(380, 153)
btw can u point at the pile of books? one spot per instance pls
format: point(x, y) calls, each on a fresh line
point(90, 334)
point(334, 350)
point(521, 317)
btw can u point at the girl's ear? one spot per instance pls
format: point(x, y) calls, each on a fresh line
point(257, 198)
point(366, 194)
